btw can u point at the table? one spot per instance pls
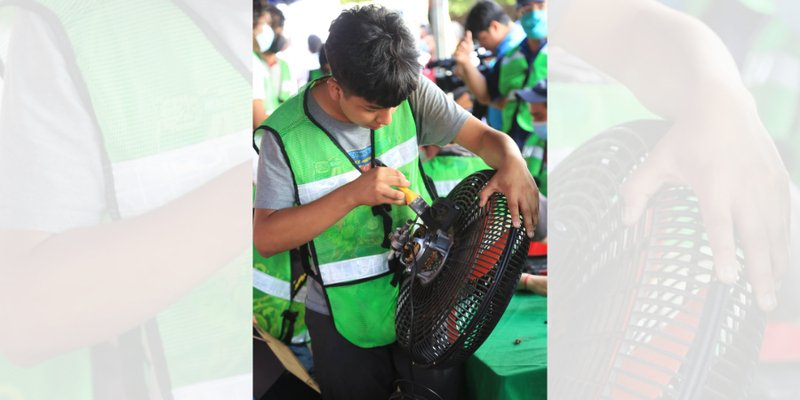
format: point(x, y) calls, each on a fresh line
point(503, 370)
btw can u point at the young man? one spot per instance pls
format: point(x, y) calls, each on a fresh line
point(494, 30)
point(524, 64)
point(319, 190)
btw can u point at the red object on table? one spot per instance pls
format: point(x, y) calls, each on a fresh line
point(537, 249)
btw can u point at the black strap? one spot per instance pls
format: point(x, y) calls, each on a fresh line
point(298, 279)
point(384, 211)
point(255, 145)
point(427, 181)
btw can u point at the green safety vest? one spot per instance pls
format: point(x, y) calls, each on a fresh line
point(447, 170)
point(133, 71)
point(272, 296)
point(274, 97)
point(514, 70)
point(315, 74)
point(269, 102)
point(349, 256)
point(534, 152)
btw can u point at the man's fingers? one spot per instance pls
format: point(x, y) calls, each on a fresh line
point(485, 194)
point(528, 218)
point(718, 224)
point(513, 207)
point(778, 230)
point(641, 186)
point(393, 196)
point(757, 259)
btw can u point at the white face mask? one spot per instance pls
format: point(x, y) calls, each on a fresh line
point(541, 129)
point(265, 38)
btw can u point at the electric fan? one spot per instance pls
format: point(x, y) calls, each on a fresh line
point(460, 268)
point(673, 331)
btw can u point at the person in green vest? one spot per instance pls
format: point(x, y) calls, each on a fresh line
point(520, 67)
point(320, 190)
point(263, 35)
point(535, 148)
point(280, 85)
point(493, 29)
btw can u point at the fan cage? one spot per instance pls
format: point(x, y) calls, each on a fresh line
point(673, 330)
point(455, 313)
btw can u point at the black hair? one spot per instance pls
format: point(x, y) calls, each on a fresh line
point(258, 11)
point(323, 57)
point(277, 19)
point(373, 55)
point(481, 16)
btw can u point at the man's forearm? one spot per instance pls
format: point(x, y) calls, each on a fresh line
point(87, 285)
point(494, 147)
point(476, 83)
point(289, 228)
point(692, 63)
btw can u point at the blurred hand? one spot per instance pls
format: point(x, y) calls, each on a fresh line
point(463, 54)
point(515, 181)
point(374, 187)
point(726, 156)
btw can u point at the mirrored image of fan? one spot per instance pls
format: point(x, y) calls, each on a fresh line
point(460, 268)
point(673, 331)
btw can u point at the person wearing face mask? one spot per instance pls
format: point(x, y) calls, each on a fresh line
point(520, 67)
point(281, 81)
point(535, 149)
point(262, 40)
point(281, 85)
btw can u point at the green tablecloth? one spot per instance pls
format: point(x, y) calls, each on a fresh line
point(503, 370)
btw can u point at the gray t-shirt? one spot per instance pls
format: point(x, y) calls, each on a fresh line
point(438, 118)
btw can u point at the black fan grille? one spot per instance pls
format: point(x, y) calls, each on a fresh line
point(455, 313)
point(673, 331)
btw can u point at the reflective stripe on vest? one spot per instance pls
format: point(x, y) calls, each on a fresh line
point(395, 158)
point(443, 188)
point(447, 170)
point(145, 183)
point(354, 269)
point(276, 287)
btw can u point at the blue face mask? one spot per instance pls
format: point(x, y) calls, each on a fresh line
point(541, 129)
point(535, 24)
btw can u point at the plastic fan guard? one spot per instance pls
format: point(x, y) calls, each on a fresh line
point(674, 332)
point(455, 313)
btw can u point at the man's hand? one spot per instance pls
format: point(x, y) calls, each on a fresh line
point(374, 187)
point(726, 156)
point(463, 55)
point(514, 180)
